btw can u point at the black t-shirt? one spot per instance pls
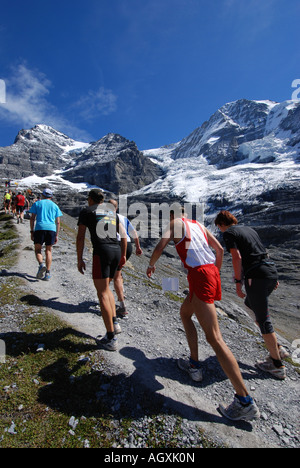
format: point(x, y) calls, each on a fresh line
point(103, 224)
point(255, 261)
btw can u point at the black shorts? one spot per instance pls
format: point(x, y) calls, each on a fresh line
point(258, 291)
point(20, 209)
point(106, 261)
point(44, 237)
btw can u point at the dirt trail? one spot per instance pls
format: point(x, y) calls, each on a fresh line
point(153, 339)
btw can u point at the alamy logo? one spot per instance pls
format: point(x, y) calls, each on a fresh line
point(2, 92)
point(2, 352)
point(296, 93)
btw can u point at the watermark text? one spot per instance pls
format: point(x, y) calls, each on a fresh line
point(2, 92)
point(150, 221)
point(296, 93)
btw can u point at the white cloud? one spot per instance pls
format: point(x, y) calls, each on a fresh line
point(28, 103)
point(96, 103)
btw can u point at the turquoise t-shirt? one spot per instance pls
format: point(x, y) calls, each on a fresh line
point(46, 212)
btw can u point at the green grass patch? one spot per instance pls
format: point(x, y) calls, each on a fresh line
point(40, 391)
point(8, 241)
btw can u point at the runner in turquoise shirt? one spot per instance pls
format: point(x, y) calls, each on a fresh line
point(46, 212)
point(44, 228)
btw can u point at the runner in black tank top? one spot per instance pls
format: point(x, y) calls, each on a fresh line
point(254, 269)
point(108, 254)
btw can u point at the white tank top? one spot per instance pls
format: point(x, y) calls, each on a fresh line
point(193, 249)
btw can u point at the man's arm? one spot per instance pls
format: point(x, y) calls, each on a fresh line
point(32, 223)
point(167, 237)
point(123, 236)
point(57, 222)
point(80, 248)
point(215, 244)
point(132, 232)
point(138, 250)
point(237, 267)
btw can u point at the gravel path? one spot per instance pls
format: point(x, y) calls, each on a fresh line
point(153, 339)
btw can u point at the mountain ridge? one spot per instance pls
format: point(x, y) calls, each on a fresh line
point(109, 162)
point(246, 154)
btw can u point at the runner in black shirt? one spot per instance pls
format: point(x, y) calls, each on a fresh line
point(108, 254)
point(259, 274)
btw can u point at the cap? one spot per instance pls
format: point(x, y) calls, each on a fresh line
point(47, 193)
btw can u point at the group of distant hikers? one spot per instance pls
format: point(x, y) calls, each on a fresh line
point(18, 202)
point(202, 256)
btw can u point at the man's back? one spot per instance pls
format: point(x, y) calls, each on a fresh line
point(20, 200)
point(46, 212)
point(193, 248)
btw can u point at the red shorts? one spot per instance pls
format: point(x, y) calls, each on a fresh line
point(205, 282)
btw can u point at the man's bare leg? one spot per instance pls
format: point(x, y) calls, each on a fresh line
point(107, 301)
point(48, 257)
point(207, 317)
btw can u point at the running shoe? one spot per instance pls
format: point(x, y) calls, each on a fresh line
point(122, 312)
point(109, 345)
point(195, 373)
point(42, 269)
point(269, 367)
point(47, 276)
point(237, 412)
point(117, 328)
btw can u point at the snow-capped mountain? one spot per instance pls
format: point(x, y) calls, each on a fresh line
point(112, 163)
point(247, 150)
point(40, 151)
point(227, 137)
point(246, 157)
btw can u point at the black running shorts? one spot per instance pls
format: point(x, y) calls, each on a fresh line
point(20, 209)
point(258, 291)
point(106, 261)
point(44, 237)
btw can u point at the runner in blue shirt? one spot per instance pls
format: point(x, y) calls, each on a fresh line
point(44, 229)
point(118, 278)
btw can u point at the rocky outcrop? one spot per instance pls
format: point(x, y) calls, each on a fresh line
point(115, 164)
point(36, 151)
point(112, 163)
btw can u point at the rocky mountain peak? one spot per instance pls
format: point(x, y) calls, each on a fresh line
point(113, 162)
point(106, 149)
point(220, 140)
point(43, 134)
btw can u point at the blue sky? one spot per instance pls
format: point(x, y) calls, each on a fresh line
point(150, 70)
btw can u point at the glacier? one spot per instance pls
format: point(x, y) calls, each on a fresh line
point(267, 162)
